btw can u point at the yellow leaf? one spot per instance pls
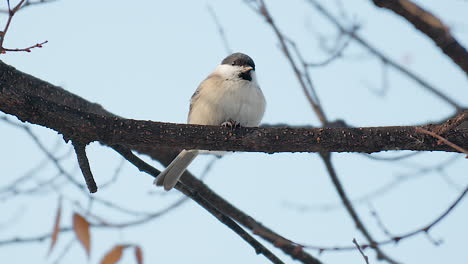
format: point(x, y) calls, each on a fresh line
point(114, 255)
point(56, 229)
point(139, 255)
point(81, 228)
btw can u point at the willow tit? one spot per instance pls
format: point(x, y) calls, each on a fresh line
point(230, 96)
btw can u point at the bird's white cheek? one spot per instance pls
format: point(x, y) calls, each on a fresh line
point(227, 71)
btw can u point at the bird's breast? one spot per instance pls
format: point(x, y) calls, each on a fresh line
point(241, 101)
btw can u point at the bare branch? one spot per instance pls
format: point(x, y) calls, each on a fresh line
point(379, 221)
point(430, 25)
point(447, 142)
point(366, 258)
point(29, 3)
point(84, 166)
point(11, 13)
point(451, 123)
point(27, 49)
point(87, 127)
point(338, 53)
point(30, 100)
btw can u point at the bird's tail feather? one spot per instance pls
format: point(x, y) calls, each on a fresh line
point(169, 177)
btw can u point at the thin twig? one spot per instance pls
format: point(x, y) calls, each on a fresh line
point(441, 139)
point(27, 49)
point(366, 258)
point(65, 250)
point(379, 221)
point(451, 123)
point(29, 3)
point(337, 54)
point(394, 158)
point(11, 13)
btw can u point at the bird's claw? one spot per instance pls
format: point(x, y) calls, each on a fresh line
point(231, 124)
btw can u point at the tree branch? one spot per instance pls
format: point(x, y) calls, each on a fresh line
point(80, 150)
point(38, 102)
point(430, 25)
point(11, 12)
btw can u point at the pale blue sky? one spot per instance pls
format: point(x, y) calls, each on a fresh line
point(143, 60)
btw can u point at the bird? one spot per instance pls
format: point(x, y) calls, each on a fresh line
point(230, 96)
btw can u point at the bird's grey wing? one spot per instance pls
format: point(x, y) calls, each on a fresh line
point(211, 81)
point(194, 98)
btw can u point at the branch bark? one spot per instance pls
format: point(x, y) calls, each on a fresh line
point(39, 102)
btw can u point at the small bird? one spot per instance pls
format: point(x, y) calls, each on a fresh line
point(230, 96)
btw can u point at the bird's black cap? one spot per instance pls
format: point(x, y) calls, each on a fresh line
point(239, 59)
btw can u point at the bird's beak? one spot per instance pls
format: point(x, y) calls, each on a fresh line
point(247, 69)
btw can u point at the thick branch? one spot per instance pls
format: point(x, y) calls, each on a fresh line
point(35, 101)
point(430, 25)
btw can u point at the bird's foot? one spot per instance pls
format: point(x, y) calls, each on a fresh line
point(231, 124)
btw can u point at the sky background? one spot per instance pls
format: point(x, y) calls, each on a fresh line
point(144, 59)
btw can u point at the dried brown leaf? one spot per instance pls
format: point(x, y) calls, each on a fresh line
point(139, 255)
point(114, 255)
point(56, 229)
point(81, 228)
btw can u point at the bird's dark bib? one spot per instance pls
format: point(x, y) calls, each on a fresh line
point(246, 76)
